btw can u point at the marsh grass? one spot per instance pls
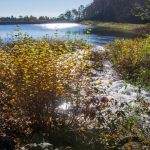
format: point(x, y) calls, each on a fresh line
point(120, 29)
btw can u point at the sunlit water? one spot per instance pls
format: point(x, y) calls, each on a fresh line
point(116, 89)
point(56, 30)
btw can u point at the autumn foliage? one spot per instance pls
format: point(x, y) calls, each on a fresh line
point(35, 78)
point(131, 58)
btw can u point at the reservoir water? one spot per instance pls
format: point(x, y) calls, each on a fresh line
point(56, 30)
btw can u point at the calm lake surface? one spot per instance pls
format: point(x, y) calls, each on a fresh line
point(56, 30)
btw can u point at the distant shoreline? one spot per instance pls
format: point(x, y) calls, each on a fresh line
point(17, 23)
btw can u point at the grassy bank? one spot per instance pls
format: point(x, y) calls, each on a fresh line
point(120, 29)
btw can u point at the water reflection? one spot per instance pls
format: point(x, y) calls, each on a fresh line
point(55, 26)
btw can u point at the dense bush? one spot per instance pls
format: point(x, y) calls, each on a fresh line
point(132, 59)
point(36, 77)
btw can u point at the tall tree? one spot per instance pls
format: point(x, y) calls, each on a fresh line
point(32, 19)
point(81, 12)
point(75, 14)
point(61, 17)
point(68, 15)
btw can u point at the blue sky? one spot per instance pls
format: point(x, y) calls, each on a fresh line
point(38, 7)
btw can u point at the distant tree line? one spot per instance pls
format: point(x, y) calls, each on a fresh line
point(28, 19)
point(118, 10)
point(68, 16)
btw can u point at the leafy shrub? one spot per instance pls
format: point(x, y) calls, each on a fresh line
point(36, 76)
point(131, 58)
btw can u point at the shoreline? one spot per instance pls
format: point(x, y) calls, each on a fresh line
point(113, 28)
point(20, 23)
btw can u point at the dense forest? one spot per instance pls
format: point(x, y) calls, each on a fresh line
point(118, 10)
